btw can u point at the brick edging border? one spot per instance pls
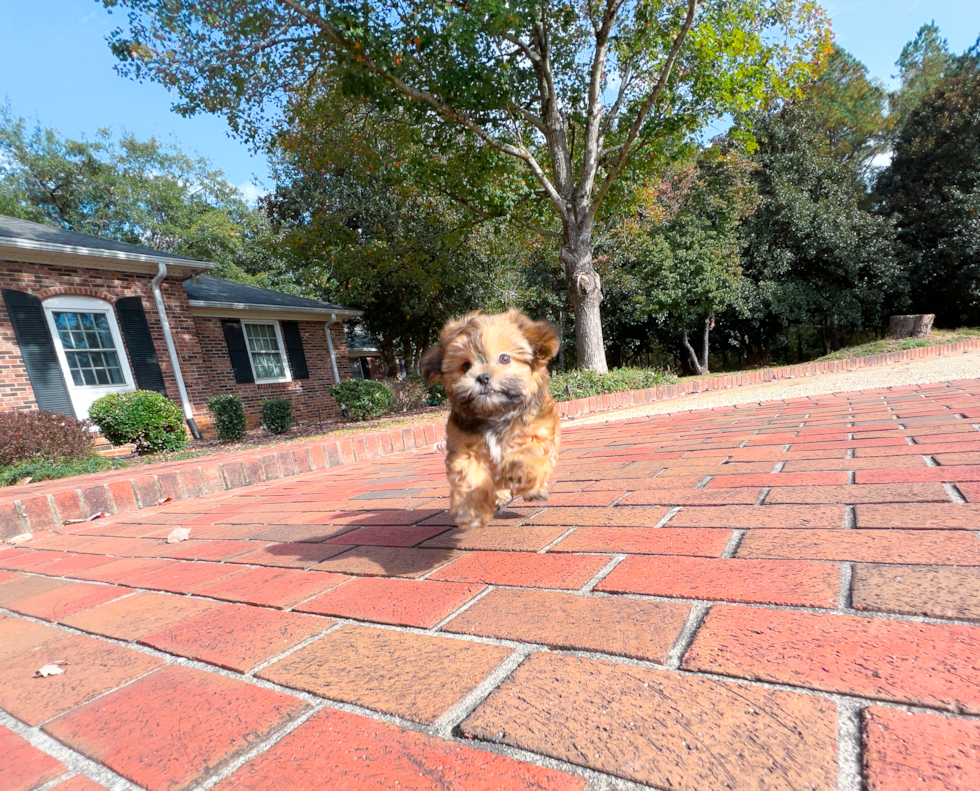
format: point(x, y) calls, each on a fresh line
point(47, 506)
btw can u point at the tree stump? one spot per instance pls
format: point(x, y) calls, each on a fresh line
point(915, 326)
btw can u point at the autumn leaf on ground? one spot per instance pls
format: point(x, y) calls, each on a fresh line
point(179, 534)
point(21, 538)
point(50, 669)
point(24, 481)
point(163, 500)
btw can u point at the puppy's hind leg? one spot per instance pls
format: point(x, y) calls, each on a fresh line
point(472, 494)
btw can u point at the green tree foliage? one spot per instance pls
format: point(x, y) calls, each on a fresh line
point(370, 233)
point(850, 107)
point(135, 191)
point(688, 258)
point(571, 91)
point(932, 189)
point(815, 255)
point(920, 66)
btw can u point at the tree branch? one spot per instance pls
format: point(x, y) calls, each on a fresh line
point(593, 122)
point(648, 103)
point(487, 215)
point(422, 95)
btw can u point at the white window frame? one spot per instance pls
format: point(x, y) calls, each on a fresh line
point(288, 377)
point(82, 396)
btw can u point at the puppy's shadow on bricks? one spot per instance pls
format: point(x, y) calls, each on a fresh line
point(390, 548)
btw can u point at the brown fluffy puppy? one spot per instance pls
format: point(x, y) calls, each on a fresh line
point(502, 436)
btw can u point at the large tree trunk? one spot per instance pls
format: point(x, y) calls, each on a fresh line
point(834, 335)
point(586, 289)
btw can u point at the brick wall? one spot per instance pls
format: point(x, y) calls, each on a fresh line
point(306, 395)
point(43, 280)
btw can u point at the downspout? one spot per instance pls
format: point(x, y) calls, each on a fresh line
point(172, 350)
point(333, 356)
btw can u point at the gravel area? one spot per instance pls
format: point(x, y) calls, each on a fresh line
point(965, 365)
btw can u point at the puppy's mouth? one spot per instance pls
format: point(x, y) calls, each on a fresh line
point(489, 396)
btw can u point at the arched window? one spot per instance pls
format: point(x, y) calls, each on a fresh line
point(89, 349)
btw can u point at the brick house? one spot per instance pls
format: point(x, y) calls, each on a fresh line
point(154, 321)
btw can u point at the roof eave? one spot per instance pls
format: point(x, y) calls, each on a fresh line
point(200, 307)
point(32, 251)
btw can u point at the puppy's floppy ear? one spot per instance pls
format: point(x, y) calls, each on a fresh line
point(542, 335)
point(431, 365)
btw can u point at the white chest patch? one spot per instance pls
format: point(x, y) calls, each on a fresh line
point(493, 446)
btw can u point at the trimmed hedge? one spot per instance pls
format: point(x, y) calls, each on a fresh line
point(26, 436)
point(363, 398)
point(228, 417)
point(582, 384)
point(151, 421)
point(277, 415)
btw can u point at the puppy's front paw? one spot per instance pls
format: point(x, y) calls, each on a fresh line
point(504, 498)
point(515, 475)
point(537, 496)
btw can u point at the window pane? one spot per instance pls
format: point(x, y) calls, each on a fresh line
point(264, 346)
point(99, 364)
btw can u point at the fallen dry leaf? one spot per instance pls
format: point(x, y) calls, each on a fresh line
point(179, 534)
point(163, 500)
point(26, 480)
point(99, 515)
point(50, 669)
point(21, 538)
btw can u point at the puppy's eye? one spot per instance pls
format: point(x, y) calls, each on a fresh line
point(466, 367)
point(503, 359)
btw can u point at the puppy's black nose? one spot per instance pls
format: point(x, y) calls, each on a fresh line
point(483, 379)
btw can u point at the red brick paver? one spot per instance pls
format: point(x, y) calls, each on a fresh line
point(685, 612)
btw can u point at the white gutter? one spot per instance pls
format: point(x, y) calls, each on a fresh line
point(333, 356)
point(201, 303)
point(171, 349)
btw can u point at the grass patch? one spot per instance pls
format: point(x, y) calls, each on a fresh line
point(45, 470)
point(582, 384)
point(935, 338)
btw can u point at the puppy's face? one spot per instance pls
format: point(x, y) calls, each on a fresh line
point(492, 365)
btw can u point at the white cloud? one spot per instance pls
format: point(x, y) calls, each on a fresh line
point(882, 160)
point(251, 191)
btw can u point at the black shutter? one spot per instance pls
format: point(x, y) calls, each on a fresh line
point(142, 354)
point(37, 350)
point(237, 350)
point(294, 349)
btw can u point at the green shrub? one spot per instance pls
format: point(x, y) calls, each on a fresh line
point(363, 398)
point(437, 394)
point(582, 384)
point(406, 394)
point(42, 435)
point(151, 421)
point(228, 417)
point(277, 415)
point(46, 470)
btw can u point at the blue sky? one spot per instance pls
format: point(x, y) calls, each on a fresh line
point(55, 66)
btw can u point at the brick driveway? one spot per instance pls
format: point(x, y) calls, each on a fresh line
point(777, 596)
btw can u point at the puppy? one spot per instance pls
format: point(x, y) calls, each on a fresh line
point(502, 436)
